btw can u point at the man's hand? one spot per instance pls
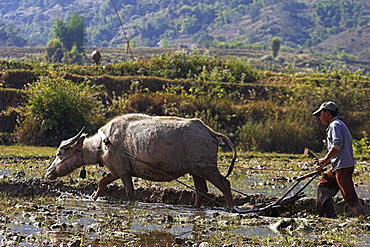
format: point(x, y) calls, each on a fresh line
point(316, 161)
point(319, 170)
point(321, 162)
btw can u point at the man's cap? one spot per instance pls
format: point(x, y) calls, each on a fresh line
point(329, 105)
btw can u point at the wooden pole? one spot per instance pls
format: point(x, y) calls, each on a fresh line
point(128, 49)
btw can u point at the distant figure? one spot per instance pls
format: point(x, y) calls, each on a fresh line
point(95, 57)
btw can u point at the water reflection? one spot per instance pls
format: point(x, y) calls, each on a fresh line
point(150, 223)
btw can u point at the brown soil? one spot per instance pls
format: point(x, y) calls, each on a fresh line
point(35, 187)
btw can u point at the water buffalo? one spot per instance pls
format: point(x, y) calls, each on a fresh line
point(152, 148)
point(95, 57)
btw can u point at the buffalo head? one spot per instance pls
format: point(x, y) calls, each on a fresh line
point(68, 157)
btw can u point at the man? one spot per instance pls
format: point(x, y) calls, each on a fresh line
point(340, 156)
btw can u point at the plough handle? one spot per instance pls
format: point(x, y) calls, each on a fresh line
point(282, 200)
point(309, 174)
point(298, 180)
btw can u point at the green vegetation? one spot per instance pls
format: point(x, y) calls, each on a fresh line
point(275, 46)
point(68, 41)
point(57, 107)
point(259, 109)
point(9, 36)
point(26, 152)
point(341, 15)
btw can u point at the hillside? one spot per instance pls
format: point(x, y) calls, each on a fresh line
point(338, 28)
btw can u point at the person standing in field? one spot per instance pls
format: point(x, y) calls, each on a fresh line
point(340, 156)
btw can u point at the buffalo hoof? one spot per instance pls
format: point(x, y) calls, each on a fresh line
point(95, 195)
point(235, 209)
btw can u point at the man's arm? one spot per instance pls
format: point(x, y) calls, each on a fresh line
point(326, 160)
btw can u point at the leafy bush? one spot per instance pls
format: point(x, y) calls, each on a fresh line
point(54, 51)
point(275, 44)
point(185, 64)
point(362, 146)
point(345, 56)
point(11, 64)
point(73, 56)
point(56, 110)
point(216, 112)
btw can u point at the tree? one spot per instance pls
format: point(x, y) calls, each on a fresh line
point(76, 31)
point(328, 13)
point(9, 36)
point(59, 30)
point(54, 51)
point(73, 56)
point(68, 39)
point(352, 13)
point(275, 46)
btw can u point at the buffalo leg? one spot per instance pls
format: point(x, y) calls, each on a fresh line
point(200, 186)
point(129, 187)
point(224, 186)
point(109, 178)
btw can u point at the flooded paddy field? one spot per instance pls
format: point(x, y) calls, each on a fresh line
point(38, 212)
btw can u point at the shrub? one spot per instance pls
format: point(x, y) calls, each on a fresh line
point(11, 64)
point(74, 57)
point(56, 110)
point(54, 51)
point(259, 110)
point(186, 64)
point(362, 146)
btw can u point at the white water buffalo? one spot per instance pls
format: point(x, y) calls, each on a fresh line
point(95, 57)
point(152, 148)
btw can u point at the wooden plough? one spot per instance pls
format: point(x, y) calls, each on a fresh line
point(284, 200)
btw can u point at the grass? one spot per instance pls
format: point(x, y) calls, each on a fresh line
point(26, 151)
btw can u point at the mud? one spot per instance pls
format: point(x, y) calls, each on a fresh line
point(35, 187)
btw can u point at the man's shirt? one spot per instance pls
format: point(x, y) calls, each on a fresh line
point(339, 137)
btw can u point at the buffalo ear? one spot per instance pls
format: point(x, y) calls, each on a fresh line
point(68, 143)
point(80, 142)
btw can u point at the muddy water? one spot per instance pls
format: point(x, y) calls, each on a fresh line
point(72, 220)
point(78, 221)
point(272, 186)
point(261, 184)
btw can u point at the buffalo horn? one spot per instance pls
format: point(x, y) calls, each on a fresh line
point(70, 141)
